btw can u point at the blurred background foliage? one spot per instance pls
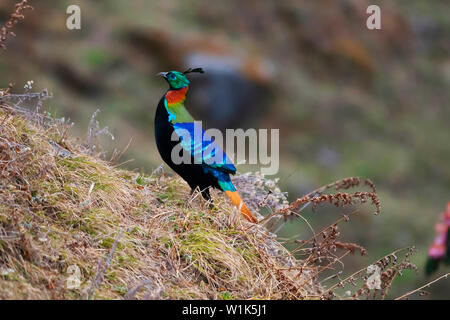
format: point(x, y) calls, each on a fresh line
point(349, 101)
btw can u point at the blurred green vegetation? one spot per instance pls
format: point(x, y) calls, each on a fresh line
point(349, 101)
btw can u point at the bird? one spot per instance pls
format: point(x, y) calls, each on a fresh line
point(208, 165)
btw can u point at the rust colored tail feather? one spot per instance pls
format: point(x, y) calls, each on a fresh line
point(239, 203)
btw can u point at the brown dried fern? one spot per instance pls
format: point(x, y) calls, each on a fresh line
point(14, 18)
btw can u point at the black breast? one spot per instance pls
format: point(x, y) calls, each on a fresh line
point(192, 173)
point(163, 133)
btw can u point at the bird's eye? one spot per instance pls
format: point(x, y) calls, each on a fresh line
point(171, 76)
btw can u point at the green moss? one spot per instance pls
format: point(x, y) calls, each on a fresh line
point(107, 243)
point(225, 295)
point(140, 180)
point(180, 294)
point(111, 276)
point(121, 289)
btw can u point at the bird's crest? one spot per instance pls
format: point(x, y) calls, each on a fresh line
point(191, 70)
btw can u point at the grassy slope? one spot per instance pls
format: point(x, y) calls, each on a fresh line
point(60, 206)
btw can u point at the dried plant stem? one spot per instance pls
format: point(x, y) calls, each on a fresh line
point(324, 268)
point(325, 229)
point(339, 199)
point(422, 287)
point(363, 269)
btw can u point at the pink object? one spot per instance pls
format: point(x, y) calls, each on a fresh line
point(438, 248)
point(436, 251)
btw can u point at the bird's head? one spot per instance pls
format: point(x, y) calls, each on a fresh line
point(178, 80)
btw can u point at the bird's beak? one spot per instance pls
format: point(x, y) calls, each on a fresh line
point(162, 74)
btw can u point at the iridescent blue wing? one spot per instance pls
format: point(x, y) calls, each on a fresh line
point(202, 147)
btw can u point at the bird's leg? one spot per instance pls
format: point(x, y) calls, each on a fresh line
point(195, 190)
point(212, 207)
point(207, 196)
